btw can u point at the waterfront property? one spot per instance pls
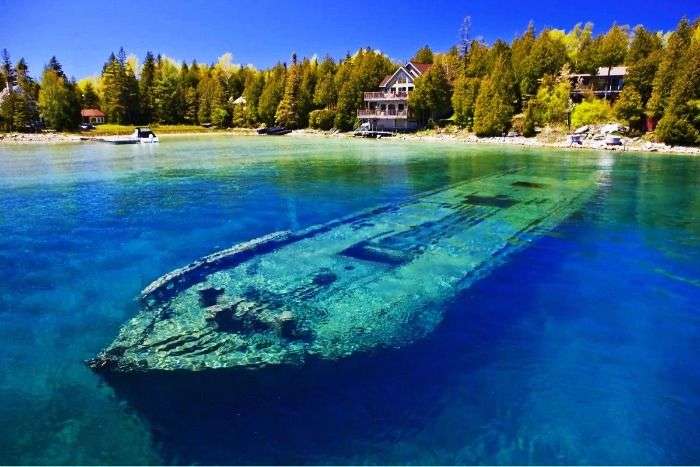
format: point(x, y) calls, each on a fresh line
point(607, 83)
point(387, 109)
point(93, 116)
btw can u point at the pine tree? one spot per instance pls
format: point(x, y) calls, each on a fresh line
point(643, 61)
point(672, 55)
point(495, 103)
point(430, 98)
point(272, 94)
point(629, 107)
point(58, 100)
point(326, 93)
point(464, 96)
point(89, 98)
point(146, 84)
point(288, 109)
point(423, 55)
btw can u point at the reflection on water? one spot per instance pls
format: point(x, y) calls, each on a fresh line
point(581, 349)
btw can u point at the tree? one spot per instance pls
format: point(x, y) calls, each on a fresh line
point(590, 112)
point(288, 109)
point(89, 98)
point(495, 102)
point(168, 97)
point(423, 55)
point(552, 100)
point(629, 107)
point(642, 62)
point(430, 99)
point(464, 96)
point(272, 94)
point(673, 54)
point(146, 85)
point(58, 101)
point(326, 93)
point(681, 121)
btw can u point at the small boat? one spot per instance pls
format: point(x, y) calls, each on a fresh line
point(274, 131)
point(379, 278)
point(144, 135)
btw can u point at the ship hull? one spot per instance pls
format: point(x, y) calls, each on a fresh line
point(378, 278)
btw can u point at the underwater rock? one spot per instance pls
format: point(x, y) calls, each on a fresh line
point(378, 278)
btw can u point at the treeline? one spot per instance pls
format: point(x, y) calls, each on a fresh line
point(489, 89)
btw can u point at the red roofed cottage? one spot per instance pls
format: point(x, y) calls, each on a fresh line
point(94, 116)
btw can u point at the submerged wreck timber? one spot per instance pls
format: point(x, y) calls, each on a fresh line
point(379, 278)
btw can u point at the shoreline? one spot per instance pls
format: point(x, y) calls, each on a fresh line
point(23, 139)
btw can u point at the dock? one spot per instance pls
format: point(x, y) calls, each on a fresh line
point(373, 134)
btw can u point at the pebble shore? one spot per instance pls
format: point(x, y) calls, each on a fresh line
point(629, 144)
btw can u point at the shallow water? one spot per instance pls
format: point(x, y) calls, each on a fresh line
point(582, 348)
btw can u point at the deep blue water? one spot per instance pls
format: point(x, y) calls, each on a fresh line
point(582, 348)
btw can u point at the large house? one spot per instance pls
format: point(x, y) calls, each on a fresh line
point(387, 109)
point(607, 83)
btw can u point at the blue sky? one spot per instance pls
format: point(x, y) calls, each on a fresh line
point(81, 34)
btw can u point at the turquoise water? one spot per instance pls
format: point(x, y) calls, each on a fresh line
point(582, 348)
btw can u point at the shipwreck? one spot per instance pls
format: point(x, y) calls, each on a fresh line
point(377, 278)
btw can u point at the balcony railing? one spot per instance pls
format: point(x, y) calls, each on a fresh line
point(386, 96)
point(376, 113)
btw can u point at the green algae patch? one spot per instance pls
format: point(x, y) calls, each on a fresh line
point(378, 278)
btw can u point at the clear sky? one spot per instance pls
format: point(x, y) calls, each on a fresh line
point(82, 33)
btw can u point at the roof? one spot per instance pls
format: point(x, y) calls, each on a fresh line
point(92, 113)
point(614, 71)
point(420, 68)
point(603, 71)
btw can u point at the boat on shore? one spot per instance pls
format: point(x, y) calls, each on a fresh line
point(377, 278)
point(141, 135)
point(274, 131)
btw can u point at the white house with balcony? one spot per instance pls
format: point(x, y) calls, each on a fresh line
point(387, 109)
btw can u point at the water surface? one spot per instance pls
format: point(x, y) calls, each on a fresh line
point(582, 348)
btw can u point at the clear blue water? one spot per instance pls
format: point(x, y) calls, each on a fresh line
point(582, 348)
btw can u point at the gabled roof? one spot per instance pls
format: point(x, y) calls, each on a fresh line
point(92, 113)
point(421, 67)
point(411, 69)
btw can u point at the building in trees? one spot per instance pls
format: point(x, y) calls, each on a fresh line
point(387, 109)
point(94, 116)
point(607, 83)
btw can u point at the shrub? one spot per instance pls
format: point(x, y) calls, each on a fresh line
point(219, 117)
point(590, 112)
point(676, 130)
point(322, 119)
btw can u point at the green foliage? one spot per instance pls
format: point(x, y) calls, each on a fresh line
point(423, 55)
point(326, 93)
point(466, 90)
point(322, 119)
point(629, 107)
point(643, 62)
point(146, 85)
point(495, 102)
point(672, 55)
point(591, 112)
point(552, 101)
point(272, 94)
point(674, 130)
point(529, 119)
point(219, 117)
point(430, 99)
point(58, 101)
point(89, 98)
point(288, 109)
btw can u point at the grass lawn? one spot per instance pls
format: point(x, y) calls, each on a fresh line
point(115, 129)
